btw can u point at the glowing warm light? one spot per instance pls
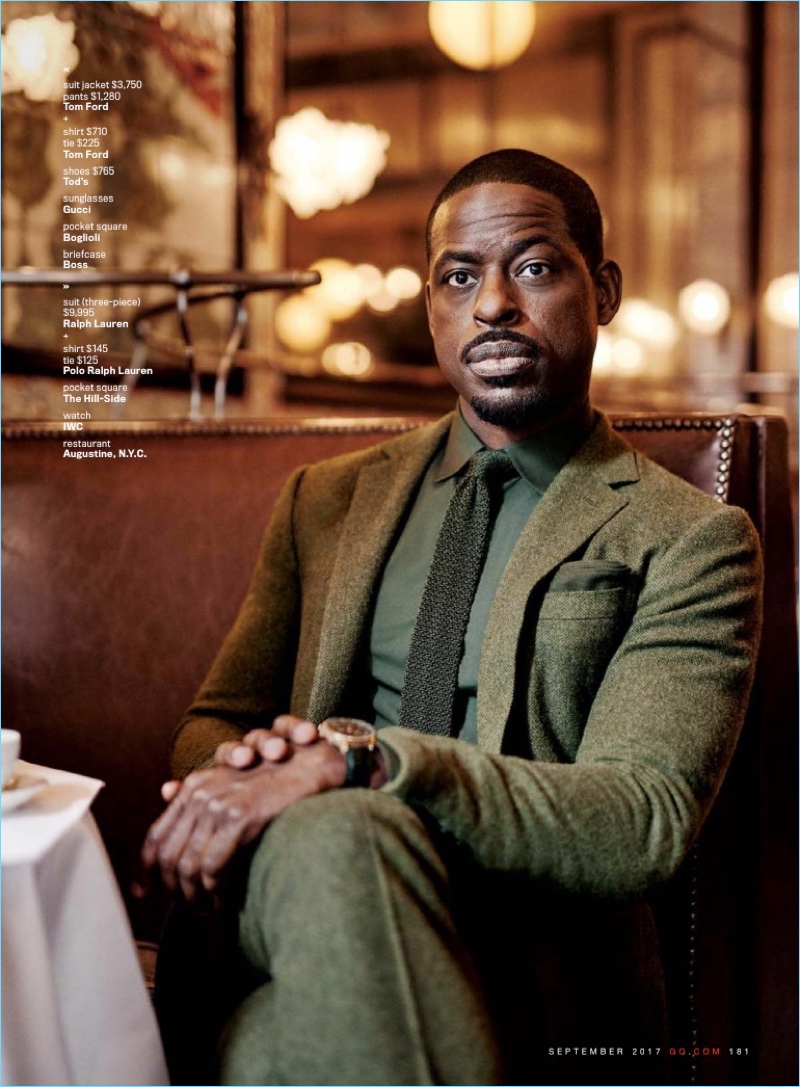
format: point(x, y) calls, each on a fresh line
point(172, 166)
point(371, 279)
point(403, 283)
point(340, 292)
point(782, 300)
point(301, 324)
point(478, 34)
point(146, 7)
point(602, 351)
point(320, 164)
point(344, 289)
point(382, 300)
point(627, 355)
point(644, 321)
point(348, 359)
point(37, 54)
point(704, 306)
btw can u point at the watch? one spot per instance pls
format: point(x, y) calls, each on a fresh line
point(356, 740)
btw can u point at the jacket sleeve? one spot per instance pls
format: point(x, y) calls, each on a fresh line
point(656, 745)
point(250, 680)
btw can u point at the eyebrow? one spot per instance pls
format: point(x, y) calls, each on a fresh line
point(465, 256)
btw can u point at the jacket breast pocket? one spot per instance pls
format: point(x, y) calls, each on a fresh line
point(589, 575)
point(578, 631)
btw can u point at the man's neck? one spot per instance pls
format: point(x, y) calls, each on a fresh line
point(496, 436)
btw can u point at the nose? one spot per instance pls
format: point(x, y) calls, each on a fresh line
point(495, 301)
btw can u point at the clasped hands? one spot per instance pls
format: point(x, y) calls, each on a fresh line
point(213, 813)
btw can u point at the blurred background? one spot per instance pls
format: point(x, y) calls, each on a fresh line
point(293, 135)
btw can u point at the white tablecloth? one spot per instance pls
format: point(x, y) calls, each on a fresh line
point(75, 1007)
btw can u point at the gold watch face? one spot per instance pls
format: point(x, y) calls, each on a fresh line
point(347, 732)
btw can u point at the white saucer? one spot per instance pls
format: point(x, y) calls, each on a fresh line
point(19, 790)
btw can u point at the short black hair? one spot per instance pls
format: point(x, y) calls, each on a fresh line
point(519, 167)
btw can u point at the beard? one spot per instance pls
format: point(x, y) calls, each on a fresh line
point(523, 407)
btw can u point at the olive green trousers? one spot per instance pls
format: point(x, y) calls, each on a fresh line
point(349, 915)
point(370, 949)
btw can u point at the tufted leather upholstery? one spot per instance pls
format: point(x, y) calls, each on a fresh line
point(121, 576)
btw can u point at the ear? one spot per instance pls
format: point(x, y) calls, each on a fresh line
point(428, 305)
point(608, 285)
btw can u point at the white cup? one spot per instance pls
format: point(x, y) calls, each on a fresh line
point(11, 743)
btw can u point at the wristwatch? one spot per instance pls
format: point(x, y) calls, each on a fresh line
point(356, 740)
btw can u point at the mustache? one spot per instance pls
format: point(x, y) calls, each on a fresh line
point(499, 336)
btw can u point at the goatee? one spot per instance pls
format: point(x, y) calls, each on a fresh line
point(526, 407)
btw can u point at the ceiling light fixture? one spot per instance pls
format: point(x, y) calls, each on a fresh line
point(481, 35)
point(320, 164)
point(38, 54)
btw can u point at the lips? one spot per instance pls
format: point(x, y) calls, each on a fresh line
point(500, 358)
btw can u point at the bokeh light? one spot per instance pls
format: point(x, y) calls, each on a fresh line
point(704, 306)
point(782, 300)
point(301, 324)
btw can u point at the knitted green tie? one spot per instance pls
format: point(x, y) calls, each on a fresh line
point(429, 684)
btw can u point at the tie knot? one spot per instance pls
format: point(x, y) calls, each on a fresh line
point(494, 466)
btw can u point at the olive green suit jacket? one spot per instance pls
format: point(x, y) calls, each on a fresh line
point(614, 675)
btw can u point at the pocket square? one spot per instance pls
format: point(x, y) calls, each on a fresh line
point(590, 575)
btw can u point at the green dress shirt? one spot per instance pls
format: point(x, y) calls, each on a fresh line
point(538, 460)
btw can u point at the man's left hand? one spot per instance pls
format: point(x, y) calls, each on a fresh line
point(270, 744)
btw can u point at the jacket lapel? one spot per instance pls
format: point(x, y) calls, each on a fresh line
point(382, 492)
point(579, 501)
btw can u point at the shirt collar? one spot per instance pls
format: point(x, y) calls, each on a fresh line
point(538, 459)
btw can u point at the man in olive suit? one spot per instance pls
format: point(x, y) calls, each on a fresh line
point(551, 641)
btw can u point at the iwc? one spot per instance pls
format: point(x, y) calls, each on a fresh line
point(356, 740)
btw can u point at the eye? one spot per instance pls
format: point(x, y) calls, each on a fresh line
point(459, 278)
point(534, 269)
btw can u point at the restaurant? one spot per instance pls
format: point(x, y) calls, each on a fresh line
point(382, 387)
